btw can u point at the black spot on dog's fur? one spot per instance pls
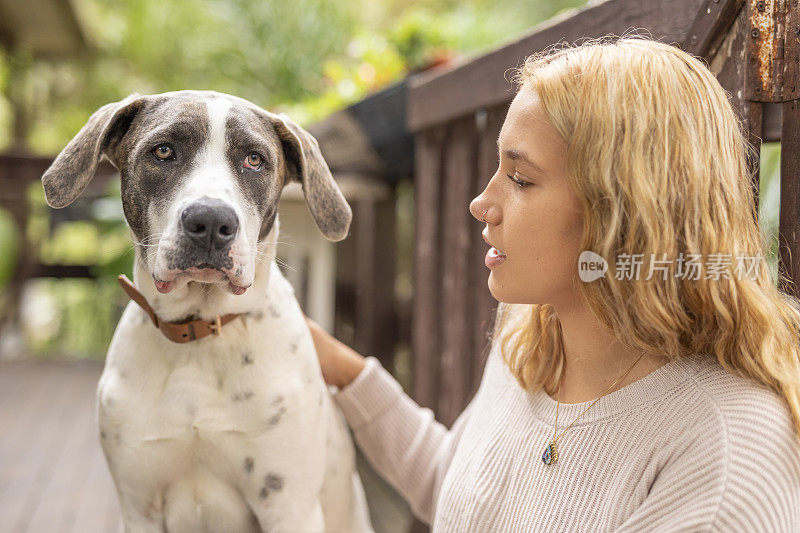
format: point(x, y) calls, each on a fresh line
point(239, 396)
point(273, 481)
point(249, 464)
point(246, 359)
point(274, 419)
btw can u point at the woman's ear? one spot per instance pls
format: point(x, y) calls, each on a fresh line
point(304, 163)
point(75, 166)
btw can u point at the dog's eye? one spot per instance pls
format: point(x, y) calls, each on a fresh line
point(253, 161)
point(164, 152)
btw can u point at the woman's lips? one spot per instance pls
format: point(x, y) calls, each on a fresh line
point(494, 257)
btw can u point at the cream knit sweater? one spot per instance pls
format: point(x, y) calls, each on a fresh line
point(689, 447)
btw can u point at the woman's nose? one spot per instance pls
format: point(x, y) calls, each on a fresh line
point(479, 208)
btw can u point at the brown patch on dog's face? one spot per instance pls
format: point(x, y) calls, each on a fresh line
point(148, 184)
point(245, 133)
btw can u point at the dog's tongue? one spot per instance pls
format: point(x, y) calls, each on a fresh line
point(237, 289)
point(164, 286)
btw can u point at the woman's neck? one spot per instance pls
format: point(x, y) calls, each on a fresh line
point(595, 359)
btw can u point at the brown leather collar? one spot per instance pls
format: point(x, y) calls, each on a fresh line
point(182, 331)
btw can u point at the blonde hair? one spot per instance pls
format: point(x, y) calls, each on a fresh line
point(658, 157)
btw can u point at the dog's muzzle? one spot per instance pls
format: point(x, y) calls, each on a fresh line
point(206, 247)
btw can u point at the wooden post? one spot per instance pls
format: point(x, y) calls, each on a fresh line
point(789, 244)
point(455, 311)
point(430, 146)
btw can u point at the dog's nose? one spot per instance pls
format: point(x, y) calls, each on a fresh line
point(210, 223)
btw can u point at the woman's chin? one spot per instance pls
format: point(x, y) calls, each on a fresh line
point(510, 295)
point(497, 289)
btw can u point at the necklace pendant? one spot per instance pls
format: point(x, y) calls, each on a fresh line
point(550, 454)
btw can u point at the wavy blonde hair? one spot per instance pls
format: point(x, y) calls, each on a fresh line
point(658, 157)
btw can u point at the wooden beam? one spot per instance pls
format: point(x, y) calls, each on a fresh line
point(426, 332)
point(364, 221)
point(455, 310)
point(710, 26)
point(39, 270)
point(789, 218)
point(438, 96)
point(48, 28)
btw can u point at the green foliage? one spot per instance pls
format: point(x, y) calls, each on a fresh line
point(306, 57)
point(415, 38)
point(769, 202)
point(79, 322)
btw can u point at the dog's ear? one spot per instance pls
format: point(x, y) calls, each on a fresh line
point(75, 166)
point(304, 163)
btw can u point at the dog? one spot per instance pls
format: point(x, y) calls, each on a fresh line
point(233, 430)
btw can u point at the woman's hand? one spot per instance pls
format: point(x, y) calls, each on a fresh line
point(340, 364)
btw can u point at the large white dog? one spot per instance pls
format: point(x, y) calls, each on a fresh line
point(212, 410)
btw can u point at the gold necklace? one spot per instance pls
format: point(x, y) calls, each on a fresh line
point(550, 454)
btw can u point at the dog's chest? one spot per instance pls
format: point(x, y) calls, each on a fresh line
point(232, 409)
point(210, 397)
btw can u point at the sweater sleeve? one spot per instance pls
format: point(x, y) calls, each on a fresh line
point(402, 441)
point(740, 472)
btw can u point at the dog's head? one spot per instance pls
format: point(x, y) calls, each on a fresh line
point(202, 174)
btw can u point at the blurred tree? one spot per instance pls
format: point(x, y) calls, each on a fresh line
point(309, 57)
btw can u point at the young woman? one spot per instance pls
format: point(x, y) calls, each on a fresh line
point(657, 397)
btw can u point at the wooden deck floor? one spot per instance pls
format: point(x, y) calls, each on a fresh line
point(53, 476)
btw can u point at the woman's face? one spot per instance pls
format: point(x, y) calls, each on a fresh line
point(533, 219)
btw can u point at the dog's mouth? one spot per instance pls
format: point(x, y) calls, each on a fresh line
point(202, 273)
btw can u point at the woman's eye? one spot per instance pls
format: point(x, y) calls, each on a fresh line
point(164, 152)
point(253, 161)
point(518, 181)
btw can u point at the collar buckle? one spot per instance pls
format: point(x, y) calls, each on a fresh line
point(216, 326)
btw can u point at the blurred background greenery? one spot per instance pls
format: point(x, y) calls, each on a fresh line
point(304, 57)
point(307, 58)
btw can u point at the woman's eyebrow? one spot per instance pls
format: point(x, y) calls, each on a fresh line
point(515, 155)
